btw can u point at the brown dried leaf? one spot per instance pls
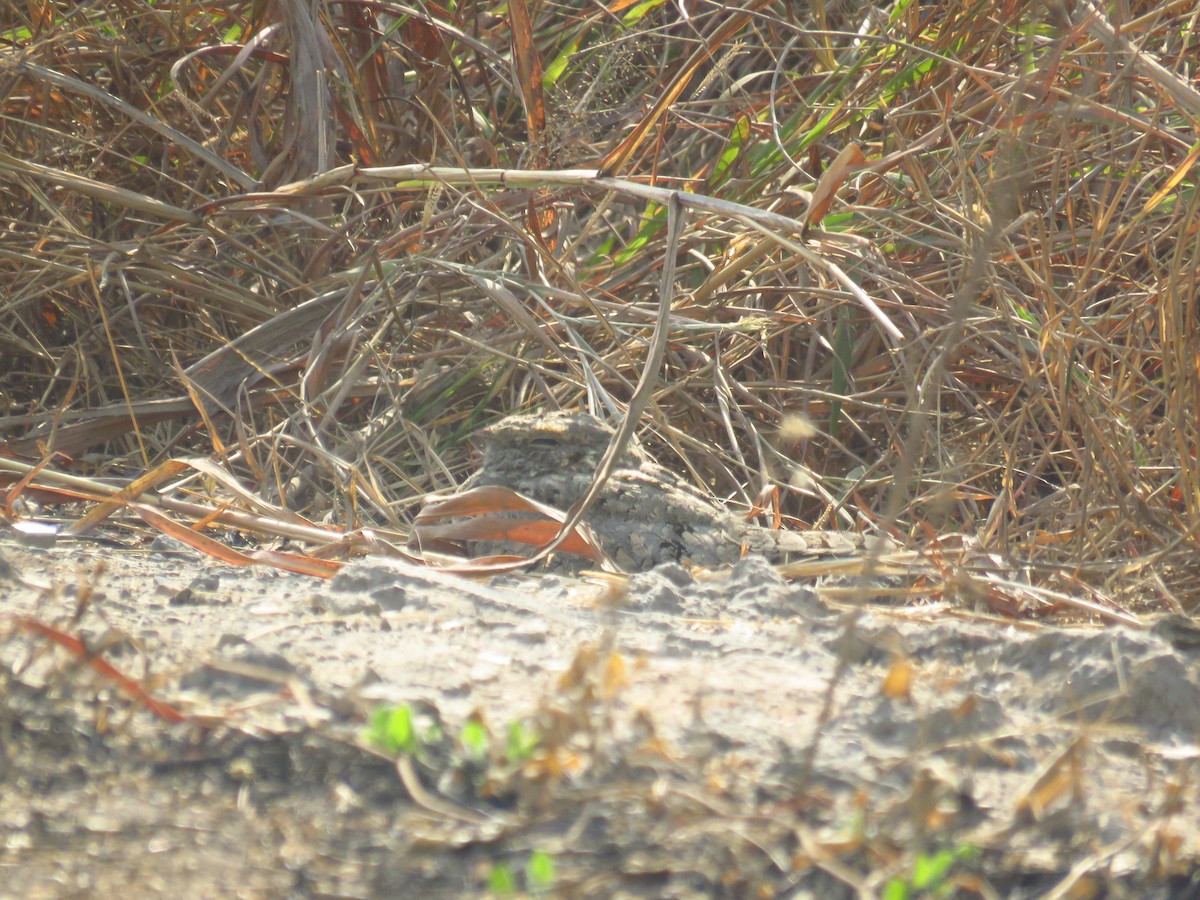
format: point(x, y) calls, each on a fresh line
point(849, 160)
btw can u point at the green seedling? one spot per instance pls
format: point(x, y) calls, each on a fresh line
point(929, 875)
point(539, 871)
point(474, 740)
point(501, 881)
point(521, 743)
point(539, 875)
point(396, 730)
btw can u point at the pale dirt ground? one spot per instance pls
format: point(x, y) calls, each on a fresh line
point(678, 722)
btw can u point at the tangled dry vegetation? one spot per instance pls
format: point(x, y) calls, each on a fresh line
point(962, 240)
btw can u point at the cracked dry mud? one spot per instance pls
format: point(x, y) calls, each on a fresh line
point(1068, 757)
point(645, 514)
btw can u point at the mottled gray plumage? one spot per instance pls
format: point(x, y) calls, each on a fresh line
point(644, 516)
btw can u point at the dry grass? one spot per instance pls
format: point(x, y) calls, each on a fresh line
point(187, 270)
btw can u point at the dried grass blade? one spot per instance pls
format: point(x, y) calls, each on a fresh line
point(1180, 173)
point(620, 155)
point(224, 373)
point(251, 499)
point(190, 536)
point(486, 499)
point(836, 272)
point(13, 494)
point(291, 562)
point(1055, 599)
point(482, 503)
point(1176, 87)
point(99, 191)
point(532, 532)
point(74, 487)
point(125, 496)
point(850, 159)
point(175, 136)
point(513, 308)
point(92, 426)
point(528, 71)
point(194, 395)
point(294, 562)
point(77, 647)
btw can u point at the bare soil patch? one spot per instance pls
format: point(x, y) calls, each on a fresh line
point(684, 747)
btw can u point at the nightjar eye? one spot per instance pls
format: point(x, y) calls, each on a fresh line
point(544, 442)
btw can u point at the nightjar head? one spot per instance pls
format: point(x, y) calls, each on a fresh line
point(526, 448)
